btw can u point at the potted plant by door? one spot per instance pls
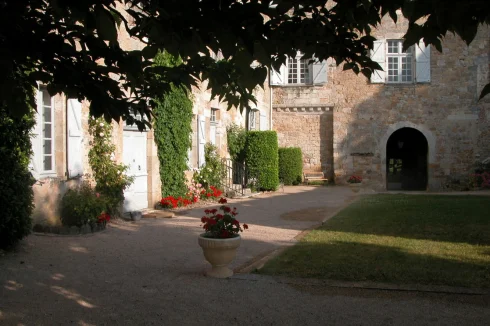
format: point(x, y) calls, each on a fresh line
point(355, 183)
point(221, 238)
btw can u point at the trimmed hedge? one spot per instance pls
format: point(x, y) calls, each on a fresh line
point(262, 159)
point(290, 165)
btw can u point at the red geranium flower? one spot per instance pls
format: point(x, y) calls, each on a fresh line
point(245, 226)
point(222, 201)
point(222, 224)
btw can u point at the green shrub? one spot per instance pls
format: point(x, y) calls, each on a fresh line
point(212, 173)
point(173, 118)
point(16, 195)
point(82, 206)
point(262, 159)
point(109, 175)
point(290, 165)
point(236, 137)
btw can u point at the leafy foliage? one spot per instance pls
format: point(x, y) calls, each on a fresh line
point(236, 139)
point(262, 159)
point(173, 118)
point(109, 175)
point(72, 46)
point(82, 206)
point(16, 195)
point(290, 165)
point(213, 172)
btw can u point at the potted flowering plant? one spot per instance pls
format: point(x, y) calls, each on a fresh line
point(354, 182)
point(221, 238)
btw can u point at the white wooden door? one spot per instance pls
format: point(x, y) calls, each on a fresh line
point(201, 136)
point(212, 134)
point(134, 155)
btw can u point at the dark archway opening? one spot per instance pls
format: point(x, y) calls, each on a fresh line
point(407, 160)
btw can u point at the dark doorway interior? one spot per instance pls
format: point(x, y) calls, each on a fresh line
point(406, 160)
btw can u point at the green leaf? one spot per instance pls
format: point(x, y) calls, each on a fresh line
point(149, 52)
point(106, 26)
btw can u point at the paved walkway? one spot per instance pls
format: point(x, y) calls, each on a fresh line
point(151, 273)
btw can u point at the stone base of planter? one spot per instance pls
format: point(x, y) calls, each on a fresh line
point(355, 187)
point(219, 253)
point(69, 230)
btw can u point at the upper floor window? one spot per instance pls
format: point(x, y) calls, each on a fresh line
point(300, 71)
point(214, 116)
point(399, 63)
point(410, 66)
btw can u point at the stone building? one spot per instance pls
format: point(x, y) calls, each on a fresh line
point(414, 126)
point(61, 143)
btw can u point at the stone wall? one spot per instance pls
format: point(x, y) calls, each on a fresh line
point(311, 129)
point(446, 111)
point(202, 105)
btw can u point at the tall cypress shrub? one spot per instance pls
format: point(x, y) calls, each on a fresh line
point(173, 118)
point(262, 159)
point(16, 195)
point(290, 165)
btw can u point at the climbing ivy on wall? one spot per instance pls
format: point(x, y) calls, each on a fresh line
point(173, 118)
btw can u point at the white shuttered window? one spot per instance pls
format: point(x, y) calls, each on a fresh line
point(47, 131)
point(299, 71)
point(42, 162)
point(75, 138)
point(400, 67)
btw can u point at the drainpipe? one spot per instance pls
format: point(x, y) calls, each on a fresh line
point(270, 102)
point(67, 174)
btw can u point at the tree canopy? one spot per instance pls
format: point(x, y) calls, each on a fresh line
point(72, 46)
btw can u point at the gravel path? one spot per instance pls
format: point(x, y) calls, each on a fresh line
point(151, 273)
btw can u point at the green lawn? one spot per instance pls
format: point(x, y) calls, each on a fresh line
point(402, 239)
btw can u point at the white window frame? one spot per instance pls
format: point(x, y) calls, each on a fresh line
point(399, 55)
point(315, 72)
point(252, 119)
point(42, 108)
point(213, 118)
point(297, 80)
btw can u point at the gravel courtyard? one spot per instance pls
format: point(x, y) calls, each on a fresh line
point(151, 273)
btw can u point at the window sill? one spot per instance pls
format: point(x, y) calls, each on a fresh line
point(401, 84)
point(298, 85)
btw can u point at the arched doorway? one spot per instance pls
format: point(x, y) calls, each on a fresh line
point(407, 160)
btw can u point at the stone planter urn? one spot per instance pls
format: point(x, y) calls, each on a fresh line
point(355, 187)
point(219, 253)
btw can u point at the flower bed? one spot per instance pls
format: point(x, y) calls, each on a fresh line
point(196, 194)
